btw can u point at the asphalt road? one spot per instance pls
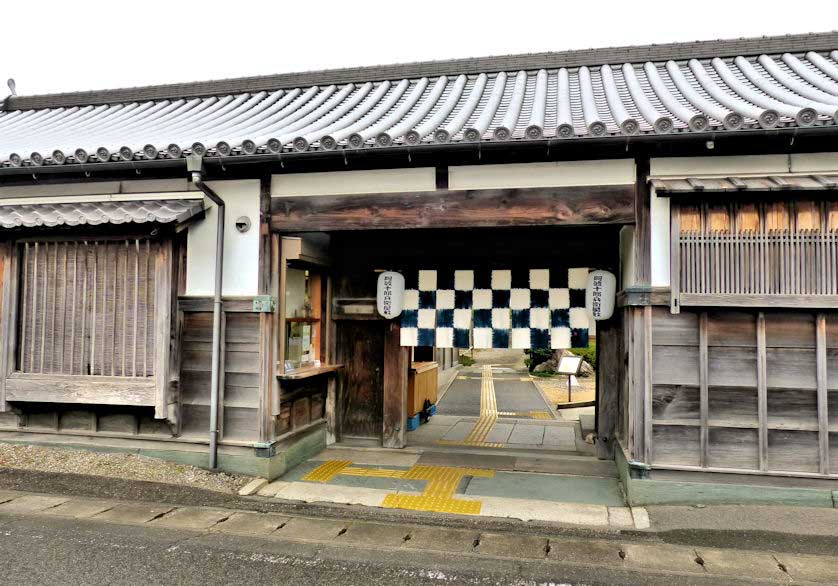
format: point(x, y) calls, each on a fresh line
point(46, 551)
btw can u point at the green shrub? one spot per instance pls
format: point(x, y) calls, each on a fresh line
point(466, 360)
point(588, 354)
point(536, 356)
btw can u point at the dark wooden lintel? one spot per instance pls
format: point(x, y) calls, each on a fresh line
point(546, 206)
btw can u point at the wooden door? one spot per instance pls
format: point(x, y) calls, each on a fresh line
point(361, 351)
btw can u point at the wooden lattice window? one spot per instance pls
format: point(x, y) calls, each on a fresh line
point(87, 308)
point(87, 321)
point(781, 253)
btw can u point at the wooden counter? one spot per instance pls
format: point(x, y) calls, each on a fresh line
point(422, 384)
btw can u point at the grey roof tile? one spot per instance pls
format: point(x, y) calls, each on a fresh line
point(95, 213)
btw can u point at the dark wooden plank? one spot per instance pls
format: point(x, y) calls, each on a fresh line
point(204, 304)
point(675, 257)
point(642, 224)
point(647, 382)
point(162, 328)
point(8, 316)
point(704, 400)
point(451, 209)
point(608, 381)
point(778, 301)
point(396, 359)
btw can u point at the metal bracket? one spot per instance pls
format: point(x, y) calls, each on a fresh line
point(264, 304)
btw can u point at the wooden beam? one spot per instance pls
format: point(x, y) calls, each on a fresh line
point(823, 395)
point(774, 301)
point(704, 395)
point(89, 390)
point(395, 387)
point(456, 209)
point(762, 392)
point(205, 304)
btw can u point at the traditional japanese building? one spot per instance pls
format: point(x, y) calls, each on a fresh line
point(704, 175)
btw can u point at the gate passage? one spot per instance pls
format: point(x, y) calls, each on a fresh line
point(500, 308)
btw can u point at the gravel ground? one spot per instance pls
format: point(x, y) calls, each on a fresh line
point(555, 389)
point(115, 465)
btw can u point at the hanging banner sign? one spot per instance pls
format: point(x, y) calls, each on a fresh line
point(390, 294)
point(600, 294)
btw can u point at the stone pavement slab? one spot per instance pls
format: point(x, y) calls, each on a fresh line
point(253, 486)
point(375, 534)
point(756, 565)
point(531, 510)
point(560, 437)
point(585, 551)
point(568, 465)
point(193, 518)
point(80, 508)
point(620, 517)
point(369, 457)
point(7, 495)
point(246, 523)
point(549, 487)
point(495, 462)
point(31, 503)
point(655, 557)
point(300, 529)
point(810, 567)
point(272, 488)
point(459, 432)
point(442, 539)
point(500, 433)
point(133, 513)
point(508, 545)
point(332, 493)
point(527, 434)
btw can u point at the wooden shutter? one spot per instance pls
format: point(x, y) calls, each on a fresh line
point(88, 307)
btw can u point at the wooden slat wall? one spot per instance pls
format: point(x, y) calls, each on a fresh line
point(765, 249)
point(240, 389)
point(88, 308)
point(746, 391)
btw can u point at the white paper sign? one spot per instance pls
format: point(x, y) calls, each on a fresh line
point(390, 295)
point(600, 294)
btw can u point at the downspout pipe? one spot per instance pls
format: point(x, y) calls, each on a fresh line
point(196, 170)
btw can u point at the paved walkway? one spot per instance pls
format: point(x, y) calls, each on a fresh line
point(574, 490)
point(497, 407)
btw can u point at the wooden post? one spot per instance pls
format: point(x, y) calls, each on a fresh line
point(704, 395)
point(674, 257)
point(608, 385)
point(762, 392)
point(647, 383)
point(643, 228)
point(823, 414)
point(162, 327)
point(267, 361)
point(8, 316)
point(395, 387)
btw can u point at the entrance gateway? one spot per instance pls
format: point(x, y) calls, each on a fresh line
point(488, 293)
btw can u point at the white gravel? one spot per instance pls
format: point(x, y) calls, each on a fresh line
point(116, 465)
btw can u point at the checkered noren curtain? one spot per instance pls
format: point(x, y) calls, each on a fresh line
point(517, 308)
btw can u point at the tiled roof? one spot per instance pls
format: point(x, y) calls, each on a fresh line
point(558, 98)
point(95, 213)
point(746, 183)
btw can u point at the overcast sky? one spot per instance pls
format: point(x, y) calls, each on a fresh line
point(56, 46)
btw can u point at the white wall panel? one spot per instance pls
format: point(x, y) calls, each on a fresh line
point(710, 165)
point(241, 251)
point(660, 240)
point(354, 182)
point(814, 163)
point(554, 174)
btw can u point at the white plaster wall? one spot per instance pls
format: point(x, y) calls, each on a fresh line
point(815, 163)
point(241, 251)
point(553, 174)
point(660, 224)
point(96, 188)
point(710, 165)
point(354, 182)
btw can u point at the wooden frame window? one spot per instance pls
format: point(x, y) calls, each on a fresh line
point(87, 321)
point(304, 294)
point(775, 253)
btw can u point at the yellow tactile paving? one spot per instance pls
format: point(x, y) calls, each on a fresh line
point(327, 471)
point(438, 496)
point(541, 415)
point(488, 416)
point(373, 472)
